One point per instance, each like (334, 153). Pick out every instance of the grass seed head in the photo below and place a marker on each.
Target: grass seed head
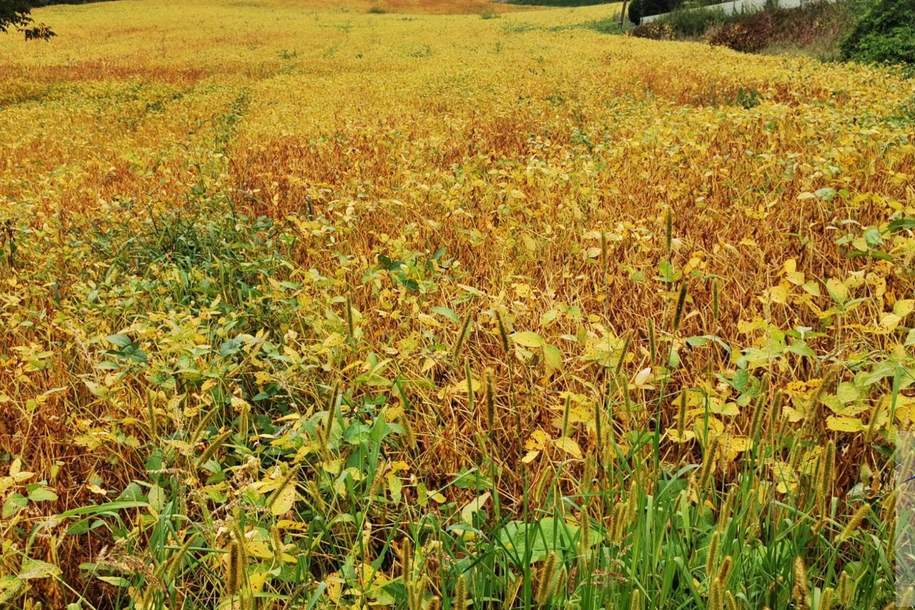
(854, 523)
(490, 402)
(461, 338)
(460, 593)
(545, 580)
(800, 591)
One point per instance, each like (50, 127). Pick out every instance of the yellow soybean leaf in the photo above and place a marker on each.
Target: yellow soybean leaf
(527, 339)
(811, 288)
(837, 290)
(333, 466)
(284, 500)
(904, 307)
(552, 358)
(548, 317)
(437, 497)
(847, 392)
(258, 578)
(889, 321)
(674, 435)
(395, 485)
(257, 547)
(33, 569)
(778, 294)
(642, 378)
(334, 587)
(530, 456)
(732, 446)
(568, 445)
(721, 407)
(844, 424)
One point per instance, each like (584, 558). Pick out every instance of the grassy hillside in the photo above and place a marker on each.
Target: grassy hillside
(309, 305)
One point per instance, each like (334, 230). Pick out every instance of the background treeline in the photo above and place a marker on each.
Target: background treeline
(40, 3)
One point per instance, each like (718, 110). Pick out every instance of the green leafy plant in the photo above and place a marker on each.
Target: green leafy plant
(885, 34)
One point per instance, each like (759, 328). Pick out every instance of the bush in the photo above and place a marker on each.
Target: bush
(886, 34)
(656, 30)
(747, 36)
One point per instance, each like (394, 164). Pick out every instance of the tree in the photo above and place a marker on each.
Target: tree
(18, 14)
(643, 8)
(886, 34)
(635, 11)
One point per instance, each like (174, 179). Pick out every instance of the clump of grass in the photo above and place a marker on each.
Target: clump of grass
(692, 23)
(610, 25)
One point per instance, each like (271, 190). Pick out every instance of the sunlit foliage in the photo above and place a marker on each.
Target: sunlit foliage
(318, 306)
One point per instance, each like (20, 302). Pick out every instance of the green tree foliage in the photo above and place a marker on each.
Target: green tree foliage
(642, 8)
(17, 14)
(886, 34)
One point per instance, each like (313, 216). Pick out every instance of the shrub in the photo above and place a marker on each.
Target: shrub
(747, 36)
(819, 26)
(886, 34)
(656, 30)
